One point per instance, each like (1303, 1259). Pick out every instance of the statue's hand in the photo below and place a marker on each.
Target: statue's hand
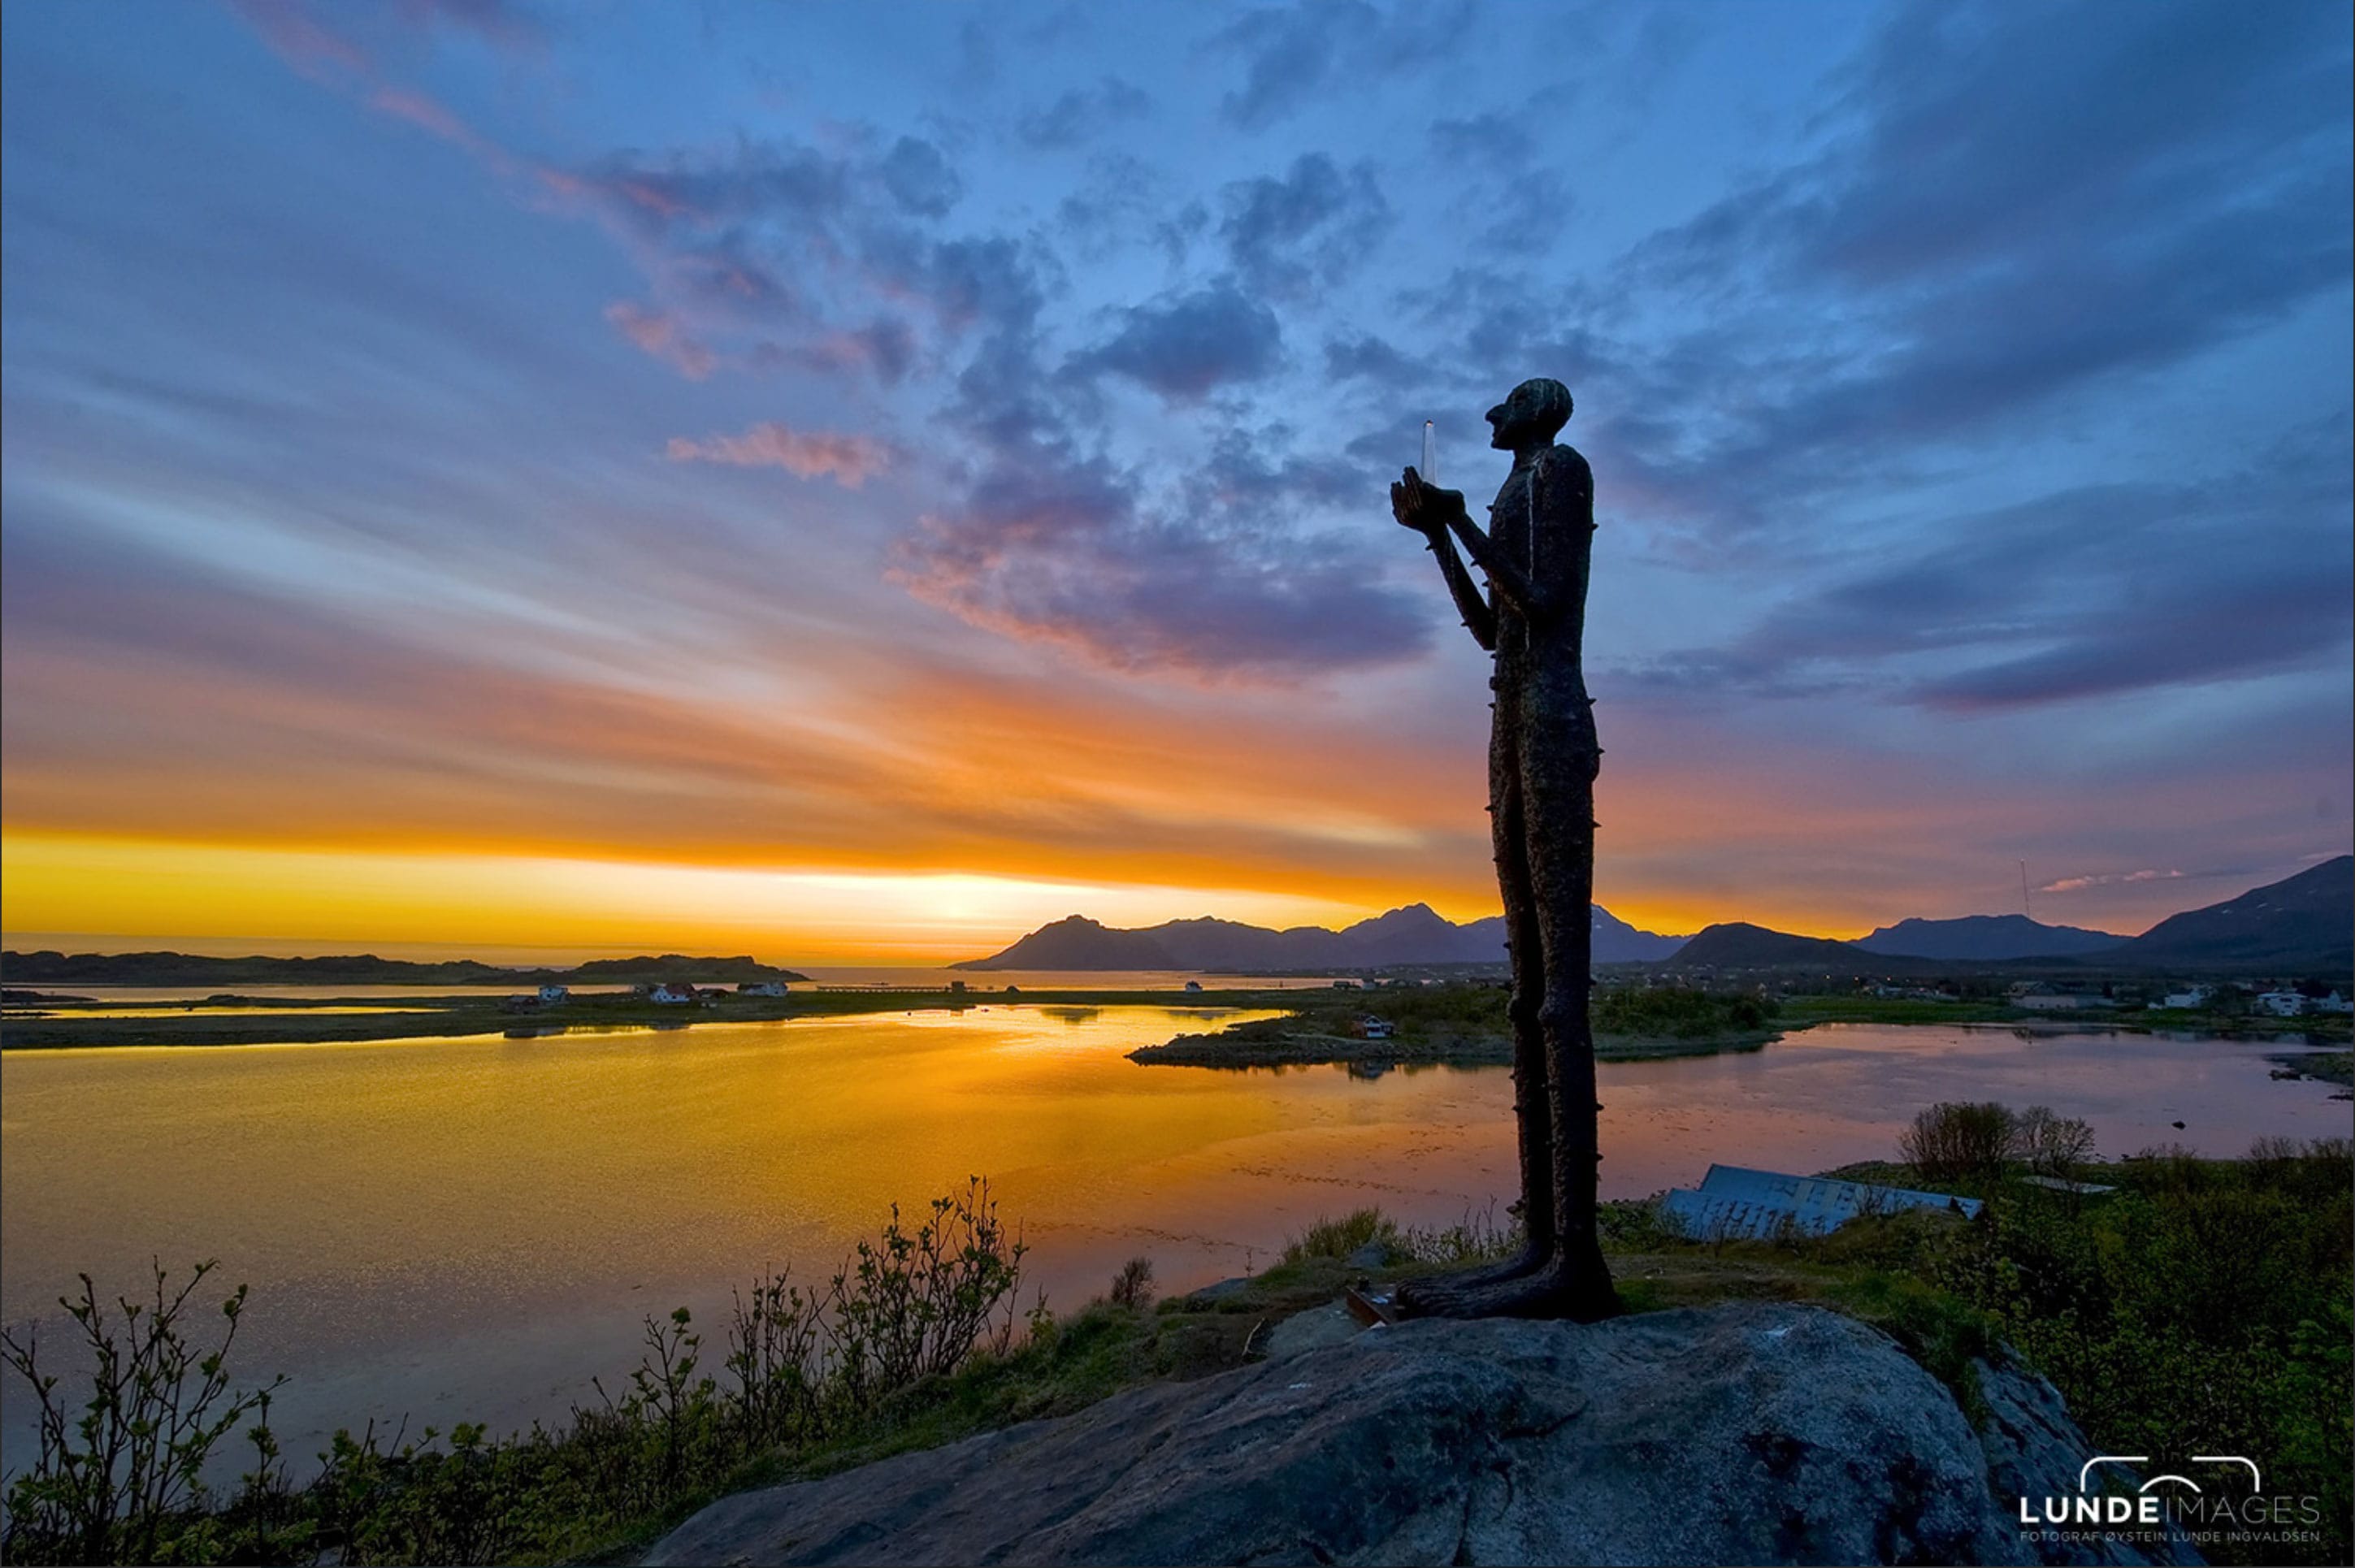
(1423, 507)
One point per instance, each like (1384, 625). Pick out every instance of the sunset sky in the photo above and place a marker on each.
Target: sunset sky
(850, 483)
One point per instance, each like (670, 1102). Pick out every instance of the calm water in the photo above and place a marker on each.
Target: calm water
(857, 976)
(470, 1228)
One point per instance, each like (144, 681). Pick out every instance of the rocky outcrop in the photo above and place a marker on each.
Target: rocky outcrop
(1745, 1433)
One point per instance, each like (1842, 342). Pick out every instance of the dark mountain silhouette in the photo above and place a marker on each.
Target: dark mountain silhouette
(1414, 935)
(1738, 944)
(1076, 942)
(1617, 942)
(51, 968)
(1984, 937)
(2302, 922)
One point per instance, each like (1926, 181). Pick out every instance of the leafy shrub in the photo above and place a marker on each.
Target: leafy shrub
(121, 1483)
(2051, 1145)
(108, 1485)
(1954, 1140)
(2203, 1308)
(1132, 1286)
(1677, 1013)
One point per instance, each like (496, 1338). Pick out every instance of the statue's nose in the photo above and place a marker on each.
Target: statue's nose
(1495, 415)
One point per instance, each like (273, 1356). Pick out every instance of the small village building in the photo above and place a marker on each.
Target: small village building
(550, 995)
(672, 994)
(763, 988)
(2334, 1002)
(2043, 998)
(2282, 1003)
(1193, 985)
(2196, 996)
(1368, 1027)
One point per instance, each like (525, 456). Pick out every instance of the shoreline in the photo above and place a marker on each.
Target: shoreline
(1295, 1039)
(172, 1025)
(1233, 1050)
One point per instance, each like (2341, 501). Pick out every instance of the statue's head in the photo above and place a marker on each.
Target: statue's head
(1538, 408)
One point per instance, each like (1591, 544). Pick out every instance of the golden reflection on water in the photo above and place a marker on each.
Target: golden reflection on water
(469, 1227)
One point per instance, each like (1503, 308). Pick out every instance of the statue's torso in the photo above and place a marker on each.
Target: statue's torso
(1542, 522)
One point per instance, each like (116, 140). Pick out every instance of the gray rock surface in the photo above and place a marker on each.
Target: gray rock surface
(1744, 1433)
(2034, 1450)
(1312, 1330)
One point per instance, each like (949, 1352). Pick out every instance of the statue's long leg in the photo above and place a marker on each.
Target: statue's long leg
(1532, 1093)
(1559, 763)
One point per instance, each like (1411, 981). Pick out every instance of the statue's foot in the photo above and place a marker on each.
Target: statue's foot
(1552, 1291)
(1433, 1295)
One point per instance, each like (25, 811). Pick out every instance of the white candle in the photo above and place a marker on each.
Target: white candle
(1430, 456)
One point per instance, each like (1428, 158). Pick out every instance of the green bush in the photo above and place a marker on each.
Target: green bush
(1338, 1238)
(2205, 1308)
(1952, 1142)
(1677, 1013)
(124, 1483)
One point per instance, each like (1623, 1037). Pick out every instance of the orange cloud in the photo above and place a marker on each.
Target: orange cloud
(849, 460)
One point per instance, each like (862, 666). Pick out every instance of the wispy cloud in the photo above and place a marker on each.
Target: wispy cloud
(2108, 879)
(665, 337)
(847, 459)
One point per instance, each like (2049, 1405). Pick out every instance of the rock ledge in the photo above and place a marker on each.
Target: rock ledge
(1744, 1432)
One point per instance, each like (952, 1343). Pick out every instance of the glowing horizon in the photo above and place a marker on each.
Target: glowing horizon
(66, 893)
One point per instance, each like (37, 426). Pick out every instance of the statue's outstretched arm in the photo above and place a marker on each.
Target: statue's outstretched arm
(1430, 511)
(1480, 619)
(1509, 580)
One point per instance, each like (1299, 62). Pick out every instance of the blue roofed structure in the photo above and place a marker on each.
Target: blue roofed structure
(1734, 1202)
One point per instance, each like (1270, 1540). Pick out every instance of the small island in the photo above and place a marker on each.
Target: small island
(1463, 1024)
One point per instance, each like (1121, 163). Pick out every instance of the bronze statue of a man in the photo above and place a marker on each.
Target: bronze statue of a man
(1543, 759)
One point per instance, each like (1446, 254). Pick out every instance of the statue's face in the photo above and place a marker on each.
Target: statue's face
(1531, 416)
(1511, 419)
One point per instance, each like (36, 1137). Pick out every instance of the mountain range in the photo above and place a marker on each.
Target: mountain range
(2301, 923)
(1986, 937)
(1414, 935)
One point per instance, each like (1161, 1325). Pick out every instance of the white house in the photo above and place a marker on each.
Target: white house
(551, 994)
(2282, 1003)
(672, 992)
(2058, 1001)
(762, 988)
(2334, 1002)
(1372, 1028)
(2197, 995)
